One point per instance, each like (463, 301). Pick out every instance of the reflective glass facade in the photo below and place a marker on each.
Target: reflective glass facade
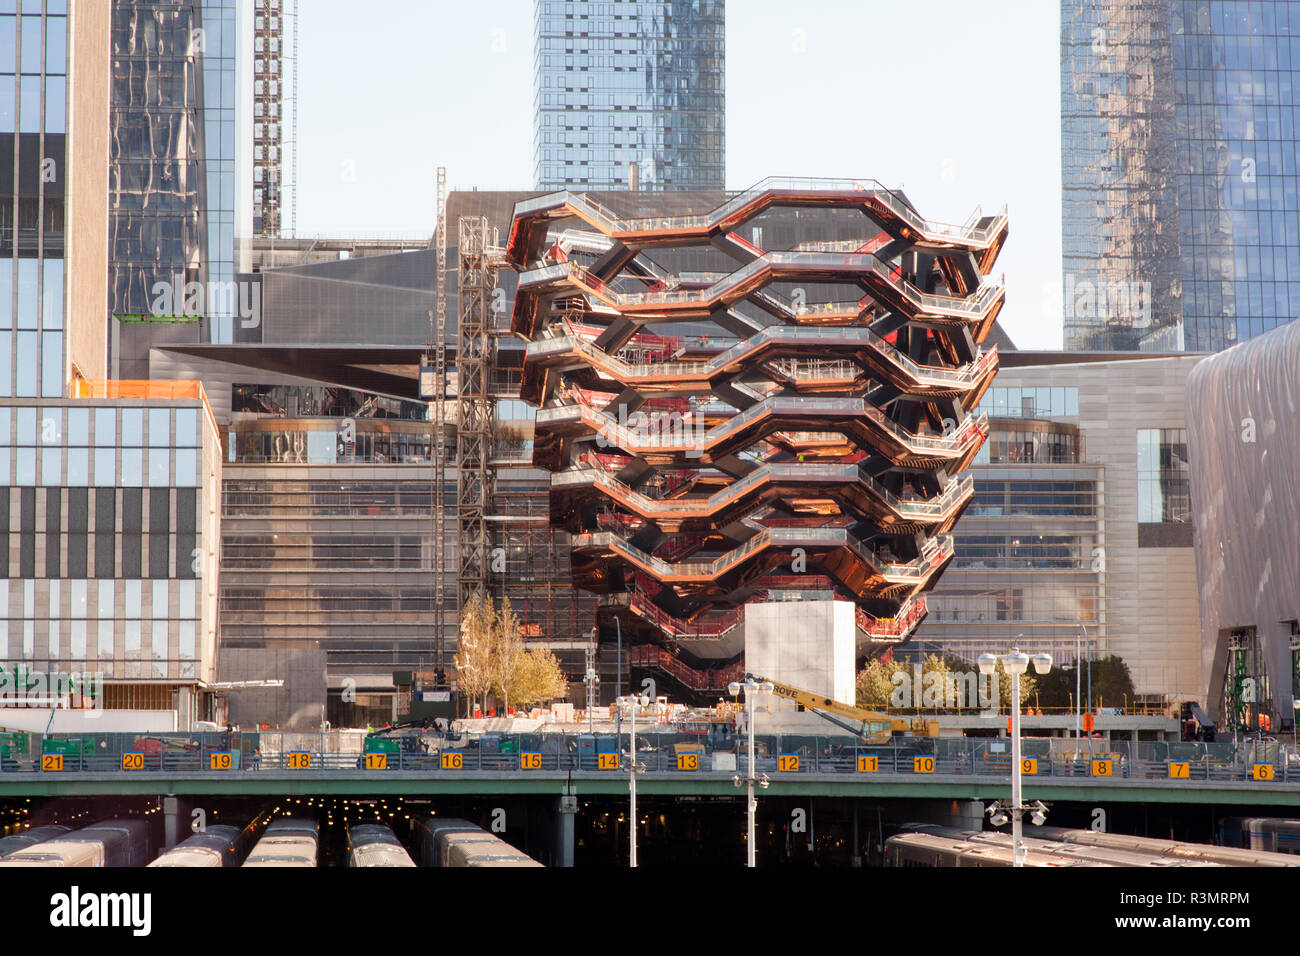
(1181, 221)
(33, 128)
(1163, 475)
(630, 81)
(173, 183)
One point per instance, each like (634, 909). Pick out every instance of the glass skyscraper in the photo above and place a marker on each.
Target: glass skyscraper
(33, 143)
(630, 81)
(178, 205)
(1181, 223)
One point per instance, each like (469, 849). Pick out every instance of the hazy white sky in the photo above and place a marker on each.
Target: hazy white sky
(953, 100)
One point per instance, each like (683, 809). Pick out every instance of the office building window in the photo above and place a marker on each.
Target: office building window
(1163, 490)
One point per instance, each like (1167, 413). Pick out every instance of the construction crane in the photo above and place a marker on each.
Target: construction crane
(872, 727)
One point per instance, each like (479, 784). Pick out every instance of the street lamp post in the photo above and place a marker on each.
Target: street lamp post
(632, 703)
(591, 679)
(751, 688)
(1078, 691)
(618, 680)
(1015, 664)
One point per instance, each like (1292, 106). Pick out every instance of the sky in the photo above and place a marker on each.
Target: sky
(956, 102)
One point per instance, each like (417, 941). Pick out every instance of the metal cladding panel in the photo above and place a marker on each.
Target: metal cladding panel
(1242, 410)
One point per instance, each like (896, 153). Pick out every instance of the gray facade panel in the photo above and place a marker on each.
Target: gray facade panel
(1242, 408)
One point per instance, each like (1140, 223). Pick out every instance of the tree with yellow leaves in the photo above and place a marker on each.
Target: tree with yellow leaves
(474, 656)
(539, 678)
(507, 654)
(494, 661)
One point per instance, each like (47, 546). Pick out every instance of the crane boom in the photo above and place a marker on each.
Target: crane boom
(867, 724)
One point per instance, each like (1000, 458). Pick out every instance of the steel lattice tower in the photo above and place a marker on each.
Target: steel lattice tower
(479, 262)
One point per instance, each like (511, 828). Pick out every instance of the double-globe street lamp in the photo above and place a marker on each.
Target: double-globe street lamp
(751, 688)
(1015, 664)
(632, 704)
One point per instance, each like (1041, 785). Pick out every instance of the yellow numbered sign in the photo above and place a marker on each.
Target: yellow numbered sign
(1180, 770)
(453, 761)
(607, 761)
(688, 761)
(868, 764)
(787, 763)
(1261, 771)
(221, 761)
(133, 761)
(376, 761)
(1103, 768)
(1029, 766)
(530, 761)
(299, 760)
(51, 761)
(922, 765)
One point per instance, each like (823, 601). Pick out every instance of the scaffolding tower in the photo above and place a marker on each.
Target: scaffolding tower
(439, 431)
(275, 117)
(480, 261)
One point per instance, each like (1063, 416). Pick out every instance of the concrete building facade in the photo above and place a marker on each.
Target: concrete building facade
(1080, 531)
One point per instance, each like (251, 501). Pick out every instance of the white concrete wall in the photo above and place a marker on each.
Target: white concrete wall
(807, 644)
(33, 720)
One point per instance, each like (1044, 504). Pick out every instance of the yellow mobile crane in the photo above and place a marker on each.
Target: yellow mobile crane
(872, 727)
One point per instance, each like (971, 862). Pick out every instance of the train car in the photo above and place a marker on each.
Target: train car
(479, 855)
(286, 842)
(1108, 856)
(373, 844)
(111, 843)
(431, 834)
(459, 843)
(933, 850)
(216, 846)
(21, 841)
(1267, 834)
(1168, 849)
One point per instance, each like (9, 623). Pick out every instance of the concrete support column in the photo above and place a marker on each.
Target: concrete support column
(171, 822)
(856, 859)
(567, 807)
(185, 708)
(968, 814)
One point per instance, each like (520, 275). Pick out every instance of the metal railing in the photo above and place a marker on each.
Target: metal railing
(913, 572)
(694, 437)
(820, 475)
(972, 307)
(1264, 763)
(863, 189)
